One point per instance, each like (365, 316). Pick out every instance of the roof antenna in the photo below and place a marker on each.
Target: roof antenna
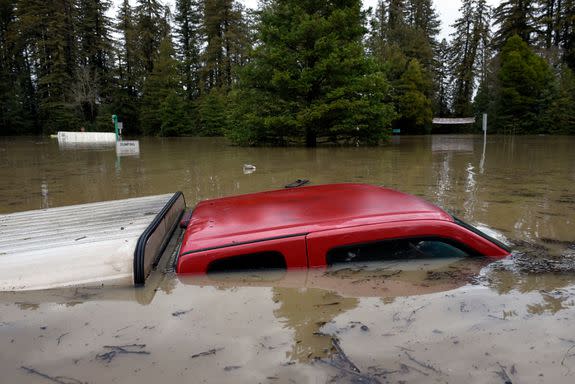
(297, 183)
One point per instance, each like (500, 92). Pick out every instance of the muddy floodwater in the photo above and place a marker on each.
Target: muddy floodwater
(427, 321)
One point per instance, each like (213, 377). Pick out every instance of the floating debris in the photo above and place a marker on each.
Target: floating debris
(54, 379)
(212, 351)
(180, 313)
(136, 349)
(249, 169)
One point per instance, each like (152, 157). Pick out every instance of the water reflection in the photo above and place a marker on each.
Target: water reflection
(452, 144)
(73, 146)
(31, 300)
(44, 193)
(375, 279)
(552, 303)
(306, 311)
(505, 281)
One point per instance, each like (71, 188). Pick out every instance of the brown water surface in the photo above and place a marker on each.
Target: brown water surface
(419, 321)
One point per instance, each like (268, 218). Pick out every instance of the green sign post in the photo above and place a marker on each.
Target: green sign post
(115, 120)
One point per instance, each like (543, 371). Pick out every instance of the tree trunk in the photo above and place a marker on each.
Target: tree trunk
(310, 137)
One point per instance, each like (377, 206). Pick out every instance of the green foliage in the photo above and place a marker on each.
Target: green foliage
(227, 42)
(467, 53)
(151, 27)
(566, 25)
(17, 105)
(514, 17)
(189, 40)
(174, 116)
(561, 116)
(524, 89)
(212, 113)
(309, 80)
(403, 42)
(124, 97)
(413, 106)
(163, 82)
(442, 105)
(482, 104)
(408, 26)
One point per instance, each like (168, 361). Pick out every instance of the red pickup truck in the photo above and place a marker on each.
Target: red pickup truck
(317, 226)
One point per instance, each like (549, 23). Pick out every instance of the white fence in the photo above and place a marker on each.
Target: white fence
(453, 121)
(86, 137)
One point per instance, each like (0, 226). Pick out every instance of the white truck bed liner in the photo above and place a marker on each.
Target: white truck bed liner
(115, 242)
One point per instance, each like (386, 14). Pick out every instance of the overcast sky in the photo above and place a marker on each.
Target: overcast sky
(447, 9)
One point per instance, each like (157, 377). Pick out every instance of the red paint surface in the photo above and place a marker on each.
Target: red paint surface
(327, 216)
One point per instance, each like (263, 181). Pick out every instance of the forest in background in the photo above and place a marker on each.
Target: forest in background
(290, 72)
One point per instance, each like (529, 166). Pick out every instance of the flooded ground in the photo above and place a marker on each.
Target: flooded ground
(449, 320)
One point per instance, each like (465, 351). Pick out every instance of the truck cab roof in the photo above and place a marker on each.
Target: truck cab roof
(303, 223)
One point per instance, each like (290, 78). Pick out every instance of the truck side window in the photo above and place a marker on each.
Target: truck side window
(415, 248)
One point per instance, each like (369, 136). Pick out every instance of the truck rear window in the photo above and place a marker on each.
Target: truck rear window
(249, 262)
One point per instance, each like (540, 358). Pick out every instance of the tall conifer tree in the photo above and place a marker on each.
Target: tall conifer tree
(524, 92)
(47, 33)
(309, 80)
(470, 39)
(514, 17)
(94, 73)
(225, 34)
(162, 94)
(189, 39)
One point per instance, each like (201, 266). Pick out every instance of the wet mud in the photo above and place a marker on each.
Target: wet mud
(530, 258)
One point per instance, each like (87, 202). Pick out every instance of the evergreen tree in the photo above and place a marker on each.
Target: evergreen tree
(567, 31)
(17, 95)
(162, 94)
(413, 106)
(404, 30)
(212, 116)
(561, 116)
(471, 36)
(524, 89)
(423, 17)
(225, 34)
(412, 28)
(150, 29)
(309, 80)
(514, 17)
(47, 34)
(482, 104)
(377, 37)
(548, 18)
(94, 74)
(443, 80)
(174, 115)
(125, 98)
(189, 42)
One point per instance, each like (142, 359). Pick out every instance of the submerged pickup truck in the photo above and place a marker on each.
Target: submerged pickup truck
(318, 226)
(120, 242)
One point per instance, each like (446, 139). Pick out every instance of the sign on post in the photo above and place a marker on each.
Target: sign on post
(128, 148)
